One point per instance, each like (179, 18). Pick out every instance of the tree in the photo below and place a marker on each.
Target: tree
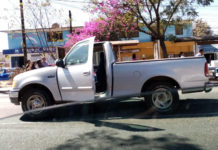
(153, 17)
(202, 28)
(39, 15)
(102, 29)
(93, 28)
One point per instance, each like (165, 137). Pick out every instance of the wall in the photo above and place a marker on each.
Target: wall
(147, 49)
(187, 32)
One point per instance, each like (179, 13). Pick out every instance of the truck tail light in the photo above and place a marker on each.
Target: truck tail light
(206, 70)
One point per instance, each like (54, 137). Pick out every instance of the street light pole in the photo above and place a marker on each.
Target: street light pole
(23, 33)
(70, 19)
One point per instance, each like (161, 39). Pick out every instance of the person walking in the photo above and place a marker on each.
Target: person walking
(38, 64)
(134, 57)
(44, 63)
(181, 55)
(200, 54)
(28, 64)
(31, 66)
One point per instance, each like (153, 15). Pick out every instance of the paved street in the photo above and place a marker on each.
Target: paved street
(6, 107)
(196, 133)
(117, 125)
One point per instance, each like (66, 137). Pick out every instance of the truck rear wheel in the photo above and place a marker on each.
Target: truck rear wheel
(35, 99)
(162, 97)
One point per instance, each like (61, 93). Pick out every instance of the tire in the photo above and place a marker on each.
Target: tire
(162, 98)
(35, 99)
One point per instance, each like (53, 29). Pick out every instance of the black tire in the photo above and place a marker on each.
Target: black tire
(152, 99)
(42, 96)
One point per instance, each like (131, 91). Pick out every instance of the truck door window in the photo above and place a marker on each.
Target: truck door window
(78, 55)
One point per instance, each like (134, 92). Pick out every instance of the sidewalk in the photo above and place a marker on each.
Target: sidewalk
(5, 86)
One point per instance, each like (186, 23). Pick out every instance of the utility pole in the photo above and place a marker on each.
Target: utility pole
(70, 19)
(23, 33)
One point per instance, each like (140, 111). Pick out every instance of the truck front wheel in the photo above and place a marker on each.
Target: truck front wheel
(35, 99)
(162, 97)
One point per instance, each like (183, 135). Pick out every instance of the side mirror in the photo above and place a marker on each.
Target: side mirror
(60, 63)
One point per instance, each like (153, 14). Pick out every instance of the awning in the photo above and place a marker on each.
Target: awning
(126, 42)
(205, 40)
(209, 48)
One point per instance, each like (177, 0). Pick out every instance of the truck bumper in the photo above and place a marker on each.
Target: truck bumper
(14, 97)
(207, 88)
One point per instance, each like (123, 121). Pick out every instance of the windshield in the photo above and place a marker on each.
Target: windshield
(108, 74)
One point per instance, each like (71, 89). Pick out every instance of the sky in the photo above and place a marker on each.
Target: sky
(210, 15)
(80, 15)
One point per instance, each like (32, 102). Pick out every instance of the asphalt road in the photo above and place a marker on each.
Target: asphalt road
(118, 125)
(6, 107)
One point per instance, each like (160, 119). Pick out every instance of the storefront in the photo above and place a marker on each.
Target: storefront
(15, 57)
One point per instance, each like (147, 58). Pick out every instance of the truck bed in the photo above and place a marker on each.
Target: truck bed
(130, 76)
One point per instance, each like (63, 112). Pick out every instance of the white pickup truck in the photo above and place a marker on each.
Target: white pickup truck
(90, 71)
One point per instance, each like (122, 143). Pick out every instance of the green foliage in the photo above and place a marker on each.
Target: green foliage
(171, 38)
(155, 15)
(202, 28)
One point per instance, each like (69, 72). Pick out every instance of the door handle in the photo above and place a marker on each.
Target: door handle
(86, 73)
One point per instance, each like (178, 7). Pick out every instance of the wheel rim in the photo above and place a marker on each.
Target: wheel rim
(162, 98)
(35, 102)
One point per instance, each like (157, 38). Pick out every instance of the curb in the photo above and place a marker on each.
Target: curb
(4, 90)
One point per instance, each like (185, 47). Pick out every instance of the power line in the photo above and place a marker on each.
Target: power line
(73, 6)
(73, 1)
(86, 2)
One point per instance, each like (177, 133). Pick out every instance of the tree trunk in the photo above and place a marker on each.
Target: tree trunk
(163, 47)
(52, 55)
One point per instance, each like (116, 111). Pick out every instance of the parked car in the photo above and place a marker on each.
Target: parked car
(5, 74)
(73, 79)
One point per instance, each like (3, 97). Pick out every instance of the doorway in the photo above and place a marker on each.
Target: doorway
(17, 61)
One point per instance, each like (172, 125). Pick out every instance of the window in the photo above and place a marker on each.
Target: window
(179, 29)
(78, 55)
(54, 36)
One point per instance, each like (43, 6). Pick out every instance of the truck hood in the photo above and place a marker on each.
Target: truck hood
(46, 71)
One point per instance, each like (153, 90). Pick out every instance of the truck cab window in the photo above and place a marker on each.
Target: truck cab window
(78, 55)
(101, 84)
(99, 64)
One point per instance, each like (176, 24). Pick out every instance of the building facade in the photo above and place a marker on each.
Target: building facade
(39, 43)
(145, 48)
(43, 42)
(178, 31)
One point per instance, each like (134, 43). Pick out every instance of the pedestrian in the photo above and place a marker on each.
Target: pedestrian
(134, 57)
(200, 54)
(28, 64)
(44, 63)
(181, 55)
(143, 56)
(31, 66)
(38, 64)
